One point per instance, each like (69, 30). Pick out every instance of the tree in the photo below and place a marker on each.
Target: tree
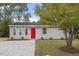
(6, 19)
(64, 16)
(6, 16)
(19, 10)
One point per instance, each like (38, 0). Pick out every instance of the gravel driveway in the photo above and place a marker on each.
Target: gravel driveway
(17, 48)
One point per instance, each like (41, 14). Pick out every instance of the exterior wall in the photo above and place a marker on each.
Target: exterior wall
(17, 36)
(54, 33)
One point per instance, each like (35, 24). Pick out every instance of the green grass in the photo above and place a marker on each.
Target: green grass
(51, 47)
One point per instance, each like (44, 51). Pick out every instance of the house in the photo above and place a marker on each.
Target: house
(32, 30)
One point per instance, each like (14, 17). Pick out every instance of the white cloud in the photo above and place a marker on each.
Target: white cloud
(34, 19)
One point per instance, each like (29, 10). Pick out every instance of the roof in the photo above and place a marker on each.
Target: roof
(28, 23)
(25, 23)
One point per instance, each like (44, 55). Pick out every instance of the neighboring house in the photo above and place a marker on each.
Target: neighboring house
(32, 30)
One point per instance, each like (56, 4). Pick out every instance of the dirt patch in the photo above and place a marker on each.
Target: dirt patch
(3, 39)
(69, 50)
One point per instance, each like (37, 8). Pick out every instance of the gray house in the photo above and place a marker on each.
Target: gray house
(32, 30)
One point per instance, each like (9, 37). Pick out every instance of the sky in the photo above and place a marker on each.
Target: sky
(31, 7)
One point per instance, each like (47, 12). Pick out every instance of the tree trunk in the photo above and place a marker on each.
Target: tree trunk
(66, 37)
(69, 39)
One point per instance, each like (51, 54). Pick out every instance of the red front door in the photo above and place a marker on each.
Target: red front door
(33, 33)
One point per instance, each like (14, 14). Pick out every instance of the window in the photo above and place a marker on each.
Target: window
(20, 32)
(26, 31)
(44, 31)
(14, 31)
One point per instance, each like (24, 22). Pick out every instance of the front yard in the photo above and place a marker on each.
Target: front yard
(3, 38)
(51, 47)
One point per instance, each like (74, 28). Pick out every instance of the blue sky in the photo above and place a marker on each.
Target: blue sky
(31, 7)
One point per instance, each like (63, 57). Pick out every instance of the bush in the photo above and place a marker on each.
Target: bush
(76, 36)
(51, 38)
(11, 37)
(62, 38)
(42, 38)
(22, 37)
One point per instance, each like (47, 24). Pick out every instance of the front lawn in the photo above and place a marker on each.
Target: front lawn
(51, 47)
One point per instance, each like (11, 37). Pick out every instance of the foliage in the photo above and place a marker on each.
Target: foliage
(6, 16)
(64, 16)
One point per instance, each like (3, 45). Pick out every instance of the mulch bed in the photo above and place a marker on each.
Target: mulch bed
(69, 50)
(16, 39)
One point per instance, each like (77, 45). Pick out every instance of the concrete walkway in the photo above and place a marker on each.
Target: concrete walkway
(17, 48)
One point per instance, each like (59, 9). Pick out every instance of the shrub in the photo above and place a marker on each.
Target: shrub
(42, 38)
(62, 38)
(11, 37)
(51, 38)
(22, 37)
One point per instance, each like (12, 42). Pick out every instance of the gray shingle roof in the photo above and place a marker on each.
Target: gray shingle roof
(25, 23)
(29, 23)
